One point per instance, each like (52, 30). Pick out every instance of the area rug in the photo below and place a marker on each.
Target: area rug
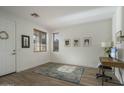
(61, 71)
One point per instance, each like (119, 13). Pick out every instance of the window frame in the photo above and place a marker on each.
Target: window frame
(53, 36)
(40, 40)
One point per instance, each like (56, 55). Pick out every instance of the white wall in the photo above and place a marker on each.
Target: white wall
(26, 58)
(86, 56)
(117, 25)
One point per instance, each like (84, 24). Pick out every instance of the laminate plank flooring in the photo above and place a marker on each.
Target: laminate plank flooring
(30, 78)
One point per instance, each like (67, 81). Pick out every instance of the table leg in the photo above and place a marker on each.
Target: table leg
(102, 76)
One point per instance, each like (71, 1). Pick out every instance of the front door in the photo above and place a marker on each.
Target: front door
(7, 46)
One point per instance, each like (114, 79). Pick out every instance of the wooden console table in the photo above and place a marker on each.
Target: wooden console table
(106, 61)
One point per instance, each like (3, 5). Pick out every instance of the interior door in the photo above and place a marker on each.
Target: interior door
(7, 46)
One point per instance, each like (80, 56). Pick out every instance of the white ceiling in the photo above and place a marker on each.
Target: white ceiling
(55, 17)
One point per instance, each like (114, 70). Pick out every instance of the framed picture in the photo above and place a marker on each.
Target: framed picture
(25, 41)
(67, 42)
(76, 42)
(87, 41)
(118, 37)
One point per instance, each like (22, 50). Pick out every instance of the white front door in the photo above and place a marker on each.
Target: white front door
(7, 47)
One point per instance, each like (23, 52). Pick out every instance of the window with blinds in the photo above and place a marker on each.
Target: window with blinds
(40, 41)
(55, 42)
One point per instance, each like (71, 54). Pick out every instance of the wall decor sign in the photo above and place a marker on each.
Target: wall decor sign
(76, 42)
(87, 41)
(25, 41)
(4, 35)
(67, 42)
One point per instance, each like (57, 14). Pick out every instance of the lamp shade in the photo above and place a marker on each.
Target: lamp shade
(106, 44)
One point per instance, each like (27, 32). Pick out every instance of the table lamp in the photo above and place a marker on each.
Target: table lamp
(107, 48)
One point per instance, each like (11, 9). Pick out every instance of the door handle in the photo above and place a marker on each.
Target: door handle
(14, 52)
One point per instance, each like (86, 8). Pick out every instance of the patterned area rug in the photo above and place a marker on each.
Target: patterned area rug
(60, 71)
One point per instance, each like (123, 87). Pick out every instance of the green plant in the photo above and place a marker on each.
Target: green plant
(107, 51)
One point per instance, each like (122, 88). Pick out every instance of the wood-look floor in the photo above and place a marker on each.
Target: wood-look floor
(30, 78)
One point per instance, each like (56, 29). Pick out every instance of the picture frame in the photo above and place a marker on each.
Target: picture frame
(76, 42)
(87, 41)
(25, 41)
(67, 42)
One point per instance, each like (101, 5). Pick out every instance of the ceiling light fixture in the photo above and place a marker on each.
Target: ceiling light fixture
(34, 15)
